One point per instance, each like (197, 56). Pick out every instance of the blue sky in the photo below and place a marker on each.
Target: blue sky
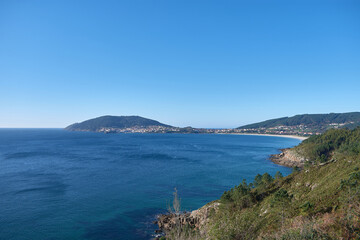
(199, 63)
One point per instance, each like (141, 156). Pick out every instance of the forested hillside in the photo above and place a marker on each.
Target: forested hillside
(116, 122)
(305, 124)
(320, 201)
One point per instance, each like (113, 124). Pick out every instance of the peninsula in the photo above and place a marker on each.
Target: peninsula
(118, 124)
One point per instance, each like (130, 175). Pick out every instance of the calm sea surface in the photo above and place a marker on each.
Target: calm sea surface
(56, 184)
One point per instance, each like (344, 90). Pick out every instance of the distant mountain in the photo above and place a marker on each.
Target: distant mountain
(303, 125)
(351, 120)
(115, 122)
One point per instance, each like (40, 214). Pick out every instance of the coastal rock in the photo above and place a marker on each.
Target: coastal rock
(289, 158)
(196, 219)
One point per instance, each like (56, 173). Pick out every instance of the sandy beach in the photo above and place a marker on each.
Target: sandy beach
(273, 135)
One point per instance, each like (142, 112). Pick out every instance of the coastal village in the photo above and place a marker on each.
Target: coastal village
(301, 130)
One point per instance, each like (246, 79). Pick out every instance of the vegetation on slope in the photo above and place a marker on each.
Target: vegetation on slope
(96, 124)
(317, 120)
(333, 144)
(321, 201)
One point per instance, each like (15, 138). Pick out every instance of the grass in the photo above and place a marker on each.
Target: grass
(314, 193)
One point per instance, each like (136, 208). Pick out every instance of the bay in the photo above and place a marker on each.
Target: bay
(56, 184)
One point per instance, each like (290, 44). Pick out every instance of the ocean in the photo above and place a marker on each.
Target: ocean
(56, 184)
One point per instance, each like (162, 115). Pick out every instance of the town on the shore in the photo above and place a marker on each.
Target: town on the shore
(300, 130)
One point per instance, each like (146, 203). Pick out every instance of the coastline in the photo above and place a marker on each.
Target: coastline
(271, 135)
(287, 157)
(198, 218)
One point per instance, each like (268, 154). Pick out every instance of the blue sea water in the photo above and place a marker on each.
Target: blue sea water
(56, 184)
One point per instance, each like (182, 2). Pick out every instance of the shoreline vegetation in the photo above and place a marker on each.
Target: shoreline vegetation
(319, 200)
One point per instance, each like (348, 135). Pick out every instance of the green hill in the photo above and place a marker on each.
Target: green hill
(118, 122)
(321, 201)
(315, 120)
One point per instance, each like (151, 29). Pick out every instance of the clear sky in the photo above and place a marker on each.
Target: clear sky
(182, 62)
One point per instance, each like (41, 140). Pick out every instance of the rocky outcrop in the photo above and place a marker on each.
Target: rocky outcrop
(289, 158)
(196, 219)
(167, 222)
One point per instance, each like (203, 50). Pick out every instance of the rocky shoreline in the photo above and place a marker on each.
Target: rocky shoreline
(196, 220)
(288, 158)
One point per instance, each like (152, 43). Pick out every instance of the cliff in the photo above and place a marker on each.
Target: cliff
(173, 224)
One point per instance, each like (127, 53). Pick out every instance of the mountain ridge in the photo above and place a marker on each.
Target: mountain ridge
(307, 119)
(301, 124)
